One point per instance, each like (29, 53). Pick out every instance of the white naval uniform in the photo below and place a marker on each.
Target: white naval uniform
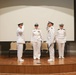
(51, 41)
(36, 41)
(20, 42)
(61, 39)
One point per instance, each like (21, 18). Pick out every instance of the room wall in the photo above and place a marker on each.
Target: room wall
(30, 12)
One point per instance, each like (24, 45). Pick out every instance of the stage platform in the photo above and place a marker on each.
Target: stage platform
(69, 73)
(42, 66)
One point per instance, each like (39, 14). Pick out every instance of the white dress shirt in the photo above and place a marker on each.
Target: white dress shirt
(20, 37)
(61, 36)
(51, 35)
(36, 35)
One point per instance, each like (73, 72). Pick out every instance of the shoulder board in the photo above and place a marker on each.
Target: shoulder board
(58, 29)
(63, 29)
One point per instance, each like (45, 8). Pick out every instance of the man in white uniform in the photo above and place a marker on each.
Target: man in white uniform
(36, 41)
(20, 41)
(61, 39)
(51, 40)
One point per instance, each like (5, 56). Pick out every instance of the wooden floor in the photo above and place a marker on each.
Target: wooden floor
(4, 60)
(42, 66)
(69, 73)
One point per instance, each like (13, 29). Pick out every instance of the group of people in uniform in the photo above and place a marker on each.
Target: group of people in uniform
(59, 37)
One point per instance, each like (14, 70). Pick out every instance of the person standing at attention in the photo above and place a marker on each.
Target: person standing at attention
(36, 41)
(61, 39)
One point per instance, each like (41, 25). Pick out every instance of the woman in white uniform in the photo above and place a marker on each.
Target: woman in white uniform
(61, 39)
(51, 40)
(20, 41)
(36, 41)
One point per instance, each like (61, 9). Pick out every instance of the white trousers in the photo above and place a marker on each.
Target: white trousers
(36, 49)
(19, 51)
(51, 51)
(61, 49)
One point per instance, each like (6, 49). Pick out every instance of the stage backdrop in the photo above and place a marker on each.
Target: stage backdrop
(30, 12)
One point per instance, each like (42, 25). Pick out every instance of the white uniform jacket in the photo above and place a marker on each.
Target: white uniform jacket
(61, 36)
(36, 35)
(51, 36)
(20, 37)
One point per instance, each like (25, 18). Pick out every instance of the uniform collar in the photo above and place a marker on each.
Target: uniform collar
(61, 29)
(37, 29)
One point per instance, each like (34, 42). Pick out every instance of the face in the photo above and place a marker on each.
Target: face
(49, 25)
(61, 27)
(36, 27)
(20, 26)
